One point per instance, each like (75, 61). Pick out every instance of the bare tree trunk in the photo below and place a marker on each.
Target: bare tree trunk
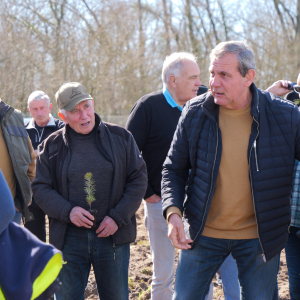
(167, 27)
(223, 20)
(212, 22)
(276, 4)
(298, 21)
(141, 49)
(190, 26)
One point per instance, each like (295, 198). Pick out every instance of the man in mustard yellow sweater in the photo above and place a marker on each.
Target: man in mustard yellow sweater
(233, 156)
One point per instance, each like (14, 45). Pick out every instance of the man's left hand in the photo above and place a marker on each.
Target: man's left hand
(107, 227)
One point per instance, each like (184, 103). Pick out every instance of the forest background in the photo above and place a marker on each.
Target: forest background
(116, 47)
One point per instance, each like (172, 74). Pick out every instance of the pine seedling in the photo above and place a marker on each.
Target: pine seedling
(89, 188)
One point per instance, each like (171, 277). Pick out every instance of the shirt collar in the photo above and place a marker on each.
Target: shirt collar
(170, 99)
(31, 124)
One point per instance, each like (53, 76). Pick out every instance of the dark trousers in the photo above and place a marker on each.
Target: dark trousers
(83, 249)
(38, 225)
(292, 252)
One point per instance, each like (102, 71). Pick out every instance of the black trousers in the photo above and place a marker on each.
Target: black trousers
(38, 225)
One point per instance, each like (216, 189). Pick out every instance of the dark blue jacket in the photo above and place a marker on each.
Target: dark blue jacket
(197, 147)
(28, 267)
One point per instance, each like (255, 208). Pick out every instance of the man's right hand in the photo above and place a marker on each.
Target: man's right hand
(81, 217)
(176, 233)
(279, 88)
(153, 199)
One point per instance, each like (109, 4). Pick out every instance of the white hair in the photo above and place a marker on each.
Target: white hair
(38, 95)
(173, 64)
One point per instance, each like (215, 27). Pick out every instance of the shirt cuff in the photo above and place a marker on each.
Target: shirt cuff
(173, 210)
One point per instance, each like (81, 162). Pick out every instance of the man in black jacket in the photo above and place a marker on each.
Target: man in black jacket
(92, 215)
(232, 155)
(39, 128)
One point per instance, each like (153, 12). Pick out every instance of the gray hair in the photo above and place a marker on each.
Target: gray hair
(38, 95)
(173, 64)
(242, 51)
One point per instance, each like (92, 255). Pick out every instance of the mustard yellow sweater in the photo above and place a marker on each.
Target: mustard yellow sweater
(231, 214)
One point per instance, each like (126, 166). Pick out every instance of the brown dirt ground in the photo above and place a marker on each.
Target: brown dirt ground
(140, 270)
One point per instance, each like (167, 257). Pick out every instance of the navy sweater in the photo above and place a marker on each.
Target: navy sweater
(152, 122)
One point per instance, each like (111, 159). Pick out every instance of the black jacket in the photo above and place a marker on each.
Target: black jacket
(36, 138)
(50, 187)
(273, 146)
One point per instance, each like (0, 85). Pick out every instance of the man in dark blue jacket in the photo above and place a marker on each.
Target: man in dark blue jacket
(233, 156)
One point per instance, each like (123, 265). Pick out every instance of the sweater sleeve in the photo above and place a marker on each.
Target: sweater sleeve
(138, 125)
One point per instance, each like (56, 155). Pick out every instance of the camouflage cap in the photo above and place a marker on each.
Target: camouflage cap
(70, 94)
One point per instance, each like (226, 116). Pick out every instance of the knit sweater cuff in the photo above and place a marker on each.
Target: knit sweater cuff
(173, 210)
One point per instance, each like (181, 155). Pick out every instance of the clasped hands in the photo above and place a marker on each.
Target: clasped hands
(82, 218)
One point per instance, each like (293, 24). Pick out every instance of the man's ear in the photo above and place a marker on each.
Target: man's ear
(28, 109)
(50, 106)
(62, 117)
(172, 81)
(249, 77)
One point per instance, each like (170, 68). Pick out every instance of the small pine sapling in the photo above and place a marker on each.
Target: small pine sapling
(89, 188)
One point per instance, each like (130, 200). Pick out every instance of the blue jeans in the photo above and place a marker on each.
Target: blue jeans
(230, 281)
(82, 248)
(197, 267)
(292, 252)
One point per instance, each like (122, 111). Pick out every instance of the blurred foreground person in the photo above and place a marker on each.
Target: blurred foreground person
(28, 267)
(227, 179)
(292, 248)
(39, 128)
(90, 181)
(17, 161)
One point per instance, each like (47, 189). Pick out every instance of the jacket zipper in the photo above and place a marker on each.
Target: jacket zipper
(211, 186)
(254, 146)
(38, 137)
